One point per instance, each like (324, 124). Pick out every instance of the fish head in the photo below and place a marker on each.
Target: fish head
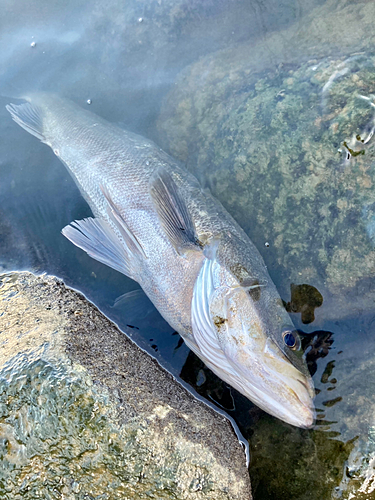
(248, 339)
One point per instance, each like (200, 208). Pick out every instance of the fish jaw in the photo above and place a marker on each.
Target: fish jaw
(274, 384)
(232, 340)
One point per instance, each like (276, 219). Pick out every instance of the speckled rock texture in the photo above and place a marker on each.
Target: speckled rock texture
(268, 127)
(86, 414)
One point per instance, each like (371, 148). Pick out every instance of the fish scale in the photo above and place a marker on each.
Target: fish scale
(154, 223)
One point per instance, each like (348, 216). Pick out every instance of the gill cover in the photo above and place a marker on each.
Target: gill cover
(217, 323)
(204, 332)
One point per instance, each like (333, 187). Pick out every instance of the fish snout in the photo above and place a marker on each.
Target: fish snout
(293, 390)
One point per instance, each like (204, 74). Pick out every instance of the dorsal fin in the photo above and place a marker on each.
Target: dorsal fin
(173, 212)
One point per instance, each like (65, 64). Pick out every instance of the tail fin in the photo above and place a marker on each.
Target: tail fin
(29, 117)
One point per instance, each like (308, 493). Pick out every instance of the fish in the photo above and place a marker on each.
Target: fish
(153, 222)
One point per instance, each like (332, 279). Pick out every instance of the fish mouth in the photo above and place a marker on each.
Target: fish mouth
(278, 388)
(287, 392)
(291, 399)
(303, 414)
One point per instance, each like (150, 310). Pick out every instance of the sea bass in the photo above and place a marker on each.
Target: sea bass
(154, 223)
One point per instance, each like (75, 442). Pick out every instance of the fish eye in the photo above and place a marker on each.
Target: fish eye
(290, 339)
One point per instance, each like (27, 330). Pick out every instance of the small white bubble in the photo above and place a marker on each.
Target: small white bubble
(266, 244)
(33, 44)
(140, 19)
(89, 101)
(147, 163)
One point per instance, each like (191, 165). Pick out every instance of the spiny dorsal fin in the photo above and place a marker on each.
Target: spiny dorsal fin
(173, 212)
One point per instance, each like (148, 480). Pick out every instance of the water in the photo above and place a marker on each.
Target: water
(271, 95)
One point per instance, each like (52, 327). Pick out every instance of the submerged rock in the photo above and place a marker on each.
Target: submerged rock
(86, 414)
(288, 149)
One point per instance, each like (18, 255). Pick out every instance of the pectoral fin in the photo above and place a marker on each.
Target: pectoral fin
(204, 331)
(99, 241)
(173, 212)
(135, 308)
(134, 304)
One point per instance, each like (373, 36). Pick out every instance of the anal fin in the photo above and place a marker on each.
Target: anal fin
(99, 241)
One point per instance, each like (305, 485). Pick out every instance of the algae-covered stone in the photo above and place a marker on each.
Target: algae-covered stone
(288, 150)
(85, 414)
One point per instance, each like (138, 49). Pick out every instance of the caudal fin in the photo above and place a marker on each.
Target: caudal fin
(28, 117)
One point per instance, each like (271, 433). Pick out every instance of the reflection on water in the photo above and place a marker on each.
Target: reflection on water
(275, 114)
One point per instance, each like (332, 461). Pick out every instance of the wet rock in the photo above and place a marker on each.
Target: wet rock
(358, 480)
(288, 149)
(86, 414)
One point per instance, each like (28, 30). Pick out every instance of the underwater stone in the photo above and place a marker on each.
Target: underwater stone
(85, 413)
(260, 125)
(264, 138)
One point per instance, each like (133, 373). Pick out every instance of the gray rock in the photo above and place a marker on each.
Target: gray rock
(86, 414)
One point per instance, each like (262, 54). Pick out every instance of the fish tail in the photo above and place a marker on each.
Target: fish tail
(29, 117)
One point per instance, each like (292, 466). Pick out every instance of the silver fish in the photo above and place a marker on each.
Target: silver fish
(154, 223)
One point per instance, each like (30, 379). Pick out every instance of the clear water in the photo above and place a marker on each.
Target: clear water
(126, 58)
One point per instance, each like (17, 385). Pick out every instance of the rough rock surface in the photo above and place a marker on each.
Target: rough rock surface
(263, 126)
(86, 414)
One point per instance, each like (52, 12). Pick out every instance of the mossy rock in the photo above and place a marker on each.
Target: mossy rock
(273, 147)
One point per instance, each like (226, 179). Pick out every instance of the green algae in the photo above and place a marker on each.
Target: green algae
(272, 148)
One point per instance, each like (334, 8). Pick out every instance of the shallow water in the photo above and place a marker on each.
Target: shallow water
(125, 58)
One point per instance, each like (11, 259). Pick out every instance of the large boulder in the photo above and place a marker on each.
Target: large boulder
(86, 414)
(272, 142)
